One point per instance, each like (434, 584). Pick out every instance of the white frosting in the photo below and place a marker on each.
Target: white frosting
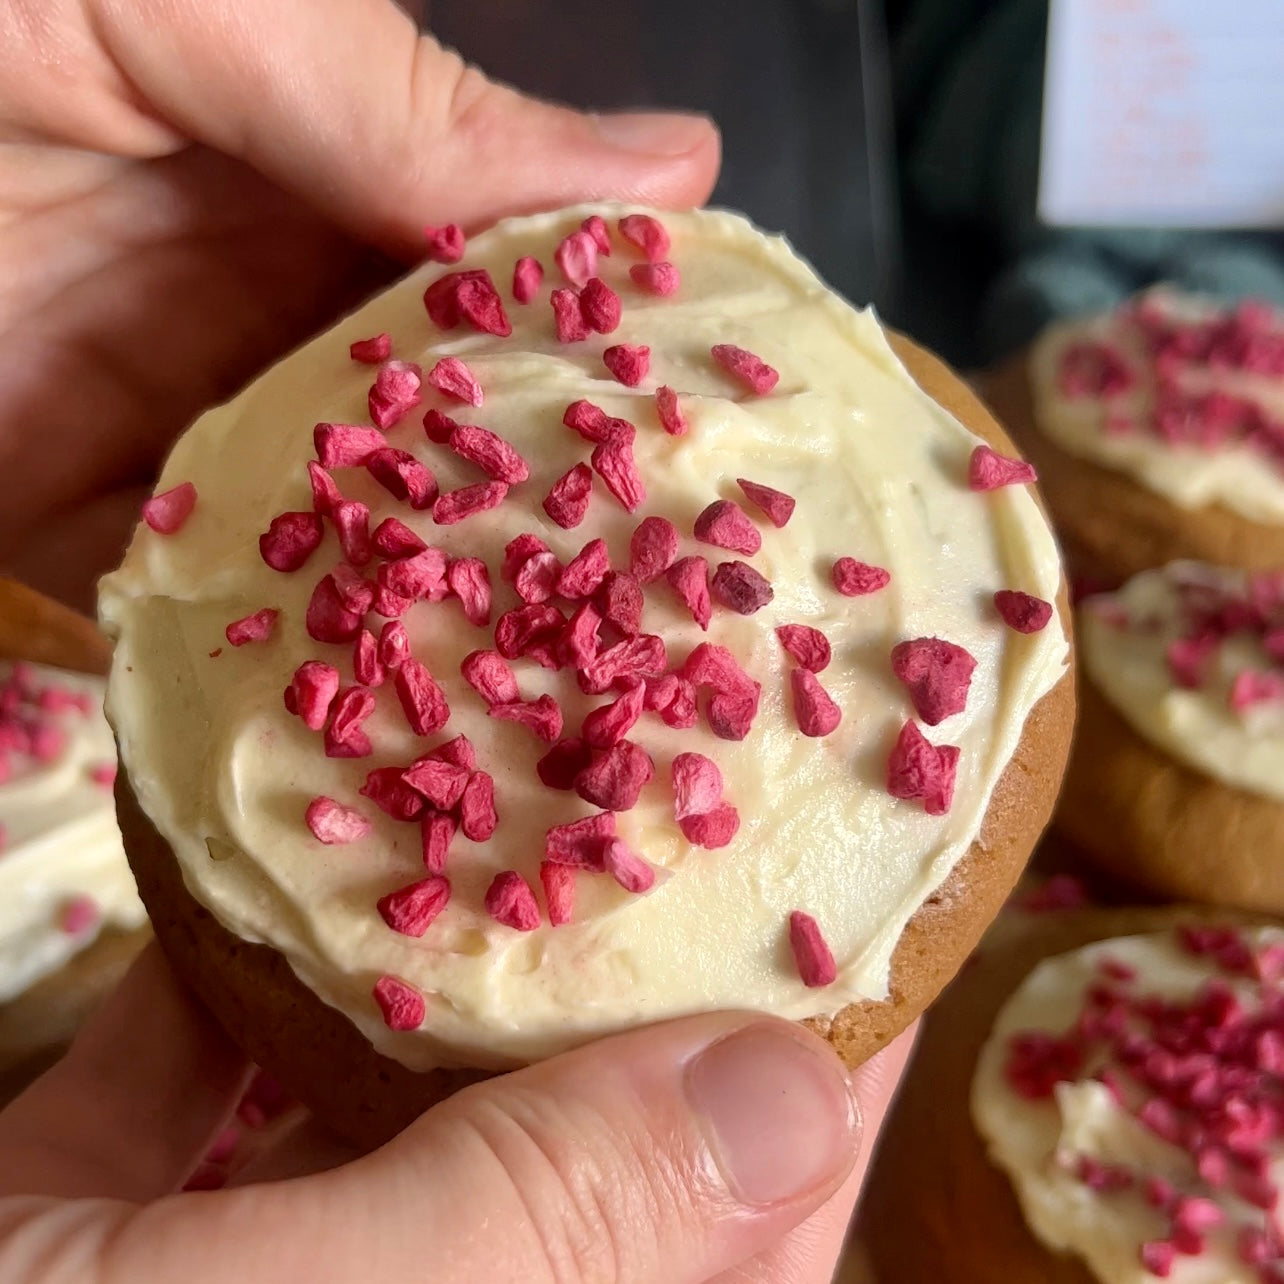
(61, 843)
(1037, 1143)
(1236, 476)
(878, 471)
(1199, 728)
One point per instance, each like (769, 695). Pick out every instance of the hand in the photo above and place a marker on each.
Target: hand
(724, 1148)
(186, 188)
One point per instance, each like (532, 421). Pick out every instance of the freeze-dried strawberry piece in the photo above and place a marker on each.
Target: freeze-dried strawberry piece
(436, 832)
(627, 867)
(517, 552)
(614, 781)
(1255, 686)
(439, 426)
(452, 377)
(620, 602)
(477, 815)
(567, 502)
(325, 491)
(441, 300)
(576, 258)
(327, 618)
(356, 593)
(394, 539)
(392, 606)
(595, 425)
(613, 461)
(469, 580)
(674, 699)
(536, 579)
(367, 668)
(640, 657)
(311, 691)
(752, 371)
(810, 647)
(813, 957)
(601, 308)
(371, 352)
(394, 645)
(252, 628)
(344, 737)
(386, 789)
(492, 679)
(401, 1006)
(918, 769)
(580, 843)
(775, 504)
(579, 644)
(403, 477)
(459, 752)
(689, 577)
(856, 579)
(352, 521)
(581, 576)
(525, 627)
(542, 716)
(510, 901)
(167, 512)
(731, 717)
(669, 408)
(738, 586)
(445, 244)
(1189, 659)
(456, 505)
(528, 273)
(646, 233)
(697, 785)
(628, 362)
(490, 452)
(346, 445)
(478, 303)
(410, 910)
(609, 725)
(1021, 611)
(814, 707)
(559, 891)
(938, 675)
(332, 823)
(419, 576)
(988, 470)
(653, 548)
(595, 226)
(560, 766)
(726, 525)
(395, 393)
(568, 316)
(712, 829)
(421, 698)
(442, 783)
(656, 278)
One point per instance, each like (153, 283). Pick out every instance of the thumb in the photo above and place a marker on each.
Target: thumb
(664, 1155)
(345, 103)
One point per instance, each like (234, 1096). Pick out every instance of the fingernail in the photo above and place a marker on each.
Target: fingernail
(778, 1113)
(656, 133)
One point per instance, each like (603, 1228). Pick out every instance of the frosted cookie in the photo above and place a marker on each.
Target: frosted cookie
(70, 918)
(1158, 433)
(1094, 1113)
(1177, 777)
(651, 642)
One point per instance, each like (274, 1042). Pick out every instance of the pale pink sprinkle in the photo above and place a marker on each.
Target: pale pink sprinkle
(371, 352)
(627, 867)
(595, 226)
(647, 234)
(672, 420)
(252, 628)
(79, 915)
(576, 258)
(662, 279)
(752, 371)
(401, 1005)
(445, 244)
(527, 275)
(332, 823)
(165, 513)
(452, 377)
(815, 961)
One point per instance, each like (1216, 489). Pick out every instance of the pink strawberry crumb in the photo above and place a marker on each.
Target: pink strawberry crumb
(857, 579)
(814, 707)
(411, 910)
(510, 901)
(661, 279)
(559, 891)
(528, 274)
(576, 258)
(371, 352)
(601, 307)
(938, 675)
(167, 512)
(445, 244)
(808, 646)
(988, 470)
(401, 1006)
(628, 362)
(647, 234)
(812, 955)
(568, 500)
(332, 823)
(453, 378)
(725, 525)
(252, 628)
(1022, 612)
(669, 408)
(79, 915)
(774, 504)
(752, 371)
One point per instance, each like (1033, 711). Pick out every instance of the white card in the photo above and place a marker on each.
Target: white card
(1164, 113)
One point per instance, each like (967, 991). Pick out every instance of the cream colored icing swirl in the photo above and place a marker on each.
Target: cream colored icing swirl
(878, 471)
(1125, 641)
(1235, 475)
(1040, 1143)
(61, 840)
